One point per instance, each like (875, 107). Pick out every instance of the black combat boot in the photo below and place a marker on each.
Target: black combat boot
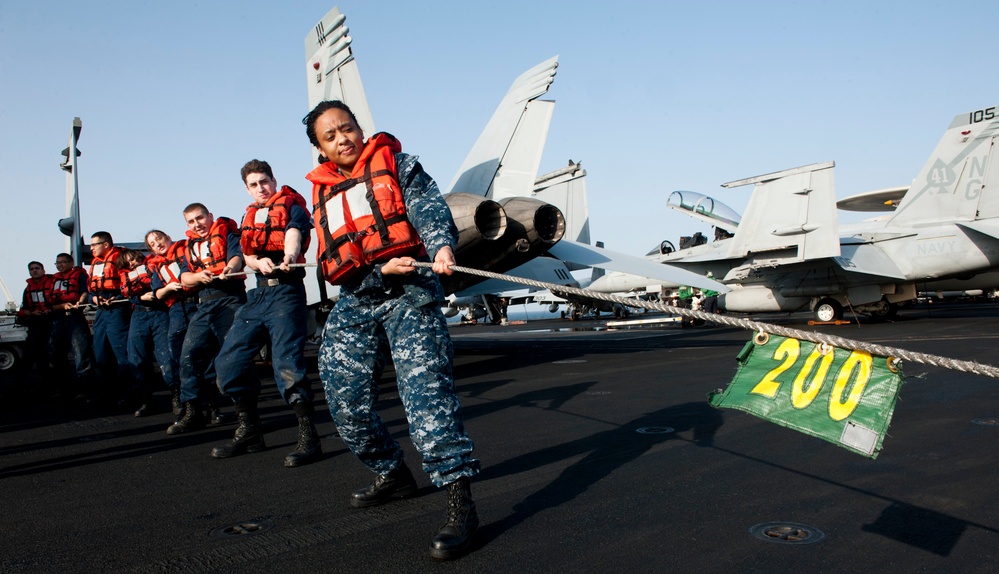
(191, 421)
(462, 520)
(178, 406)
(309, 446)
(249, 436)
(213, 410)
(397, 484)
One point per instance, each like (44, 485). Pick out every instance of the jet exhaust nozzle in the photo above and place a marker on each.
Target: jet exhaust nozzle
(500, 236)
(542, 222)
(478, 219)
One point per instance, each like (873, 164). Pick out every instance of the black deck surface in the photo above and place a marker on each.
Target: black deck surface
(568, 482)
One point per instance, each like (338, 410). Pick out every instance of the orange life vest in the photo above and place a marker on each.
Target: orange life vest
(210, 252)
(68, 286)
(104, 276)
(362, 219)
(264, 224)
(168, 269)
(38, 294)
(135, 282)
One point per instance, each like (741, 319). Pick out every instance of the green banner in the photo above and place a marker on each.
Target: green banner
(844, 397)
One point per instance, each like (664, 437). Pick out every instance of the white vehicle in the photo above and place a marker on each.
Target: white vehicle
(12, 338)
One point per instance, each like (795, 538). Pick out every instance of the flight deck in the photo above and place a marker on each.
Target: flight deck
(599, 454)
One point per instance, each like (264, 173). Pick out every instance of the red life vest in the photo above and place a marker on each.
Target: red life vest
(104, 276)
(67, 287)
(168, 267)
(37, 295)
(362, 219)
(135, 282)
(210, 252)
(264, 224)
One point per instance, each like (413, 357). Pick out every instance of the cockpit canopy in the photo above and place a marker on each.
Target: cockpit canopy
(704, 208)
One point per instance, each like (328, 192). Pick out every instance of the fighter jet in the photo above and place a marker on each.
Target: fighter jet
(788, 252)
(505, 226)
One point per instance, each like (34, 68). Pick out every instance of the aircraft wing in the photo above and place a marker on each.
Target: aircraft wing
(878, 200)
(332, 71)
(596, 257)
(495, 167)
(547, 269)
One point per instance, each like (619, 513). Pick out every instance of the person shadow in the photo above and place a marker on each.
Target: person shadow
(604, 452)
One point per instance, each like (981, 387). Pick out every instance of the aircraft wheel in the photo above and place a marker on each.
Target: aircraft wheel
(884, 310)
(9, 358)
(828, 310)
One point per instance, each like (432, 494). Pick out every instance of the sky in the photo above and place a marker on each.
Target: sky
(651, 97)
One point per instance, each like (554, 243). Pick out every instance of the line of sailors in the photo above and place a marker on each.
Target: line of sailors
(376, 213)
(176, 306)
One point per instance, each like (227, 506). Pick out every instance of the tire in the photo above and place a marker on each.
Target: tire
(828, 310)
(884, 312)
(10, 359)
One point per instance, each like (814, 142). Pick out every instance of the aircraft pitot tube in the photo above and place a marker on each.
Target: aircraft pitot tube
(500, 236)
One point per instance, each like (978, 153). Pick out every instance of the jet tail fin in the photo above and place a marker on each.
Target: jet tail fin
(960, 180)
(565, 188)
(495, 167)
(332, 71)
(790, 209)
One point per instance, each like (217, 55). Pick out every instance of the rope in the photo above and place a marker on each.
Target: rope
(291, 265)
(811, 336)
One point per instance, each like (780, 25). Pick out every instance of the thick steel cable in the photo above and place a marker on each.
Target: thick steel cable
(811, 336)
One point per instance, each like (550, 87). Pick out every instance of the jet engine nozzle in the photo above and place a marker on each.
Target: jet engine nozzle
(478, 220)
(542, 222)
(500, 236)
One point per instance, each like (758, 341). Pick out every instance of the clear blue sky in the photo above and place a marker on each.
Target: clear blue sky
(652, 97)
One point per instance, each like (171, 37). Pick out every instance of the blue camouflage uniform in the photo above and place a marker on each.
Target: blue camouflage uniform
(404, 311)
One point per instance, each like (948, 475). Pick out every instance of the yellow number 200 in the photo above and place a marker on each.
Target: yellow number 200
(845, 397)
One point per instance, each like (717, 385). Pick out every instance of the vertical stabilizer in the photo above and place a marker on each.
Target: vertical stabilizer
(332, 71)
(518, 164)
(960, 180)
(480, 167)
(566, 189)
(790, 209)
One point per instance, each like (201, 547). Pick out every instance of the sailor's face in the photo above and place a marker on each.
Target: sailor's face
(199, 221)
(133, 262)
(36, 271)
(340, 139)
(98, 247)
(158, 244)
(63, 264)
(260, 187)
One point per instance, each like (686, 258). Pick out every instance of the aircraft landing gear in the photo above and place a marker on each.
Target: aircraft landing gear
(828, 310)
